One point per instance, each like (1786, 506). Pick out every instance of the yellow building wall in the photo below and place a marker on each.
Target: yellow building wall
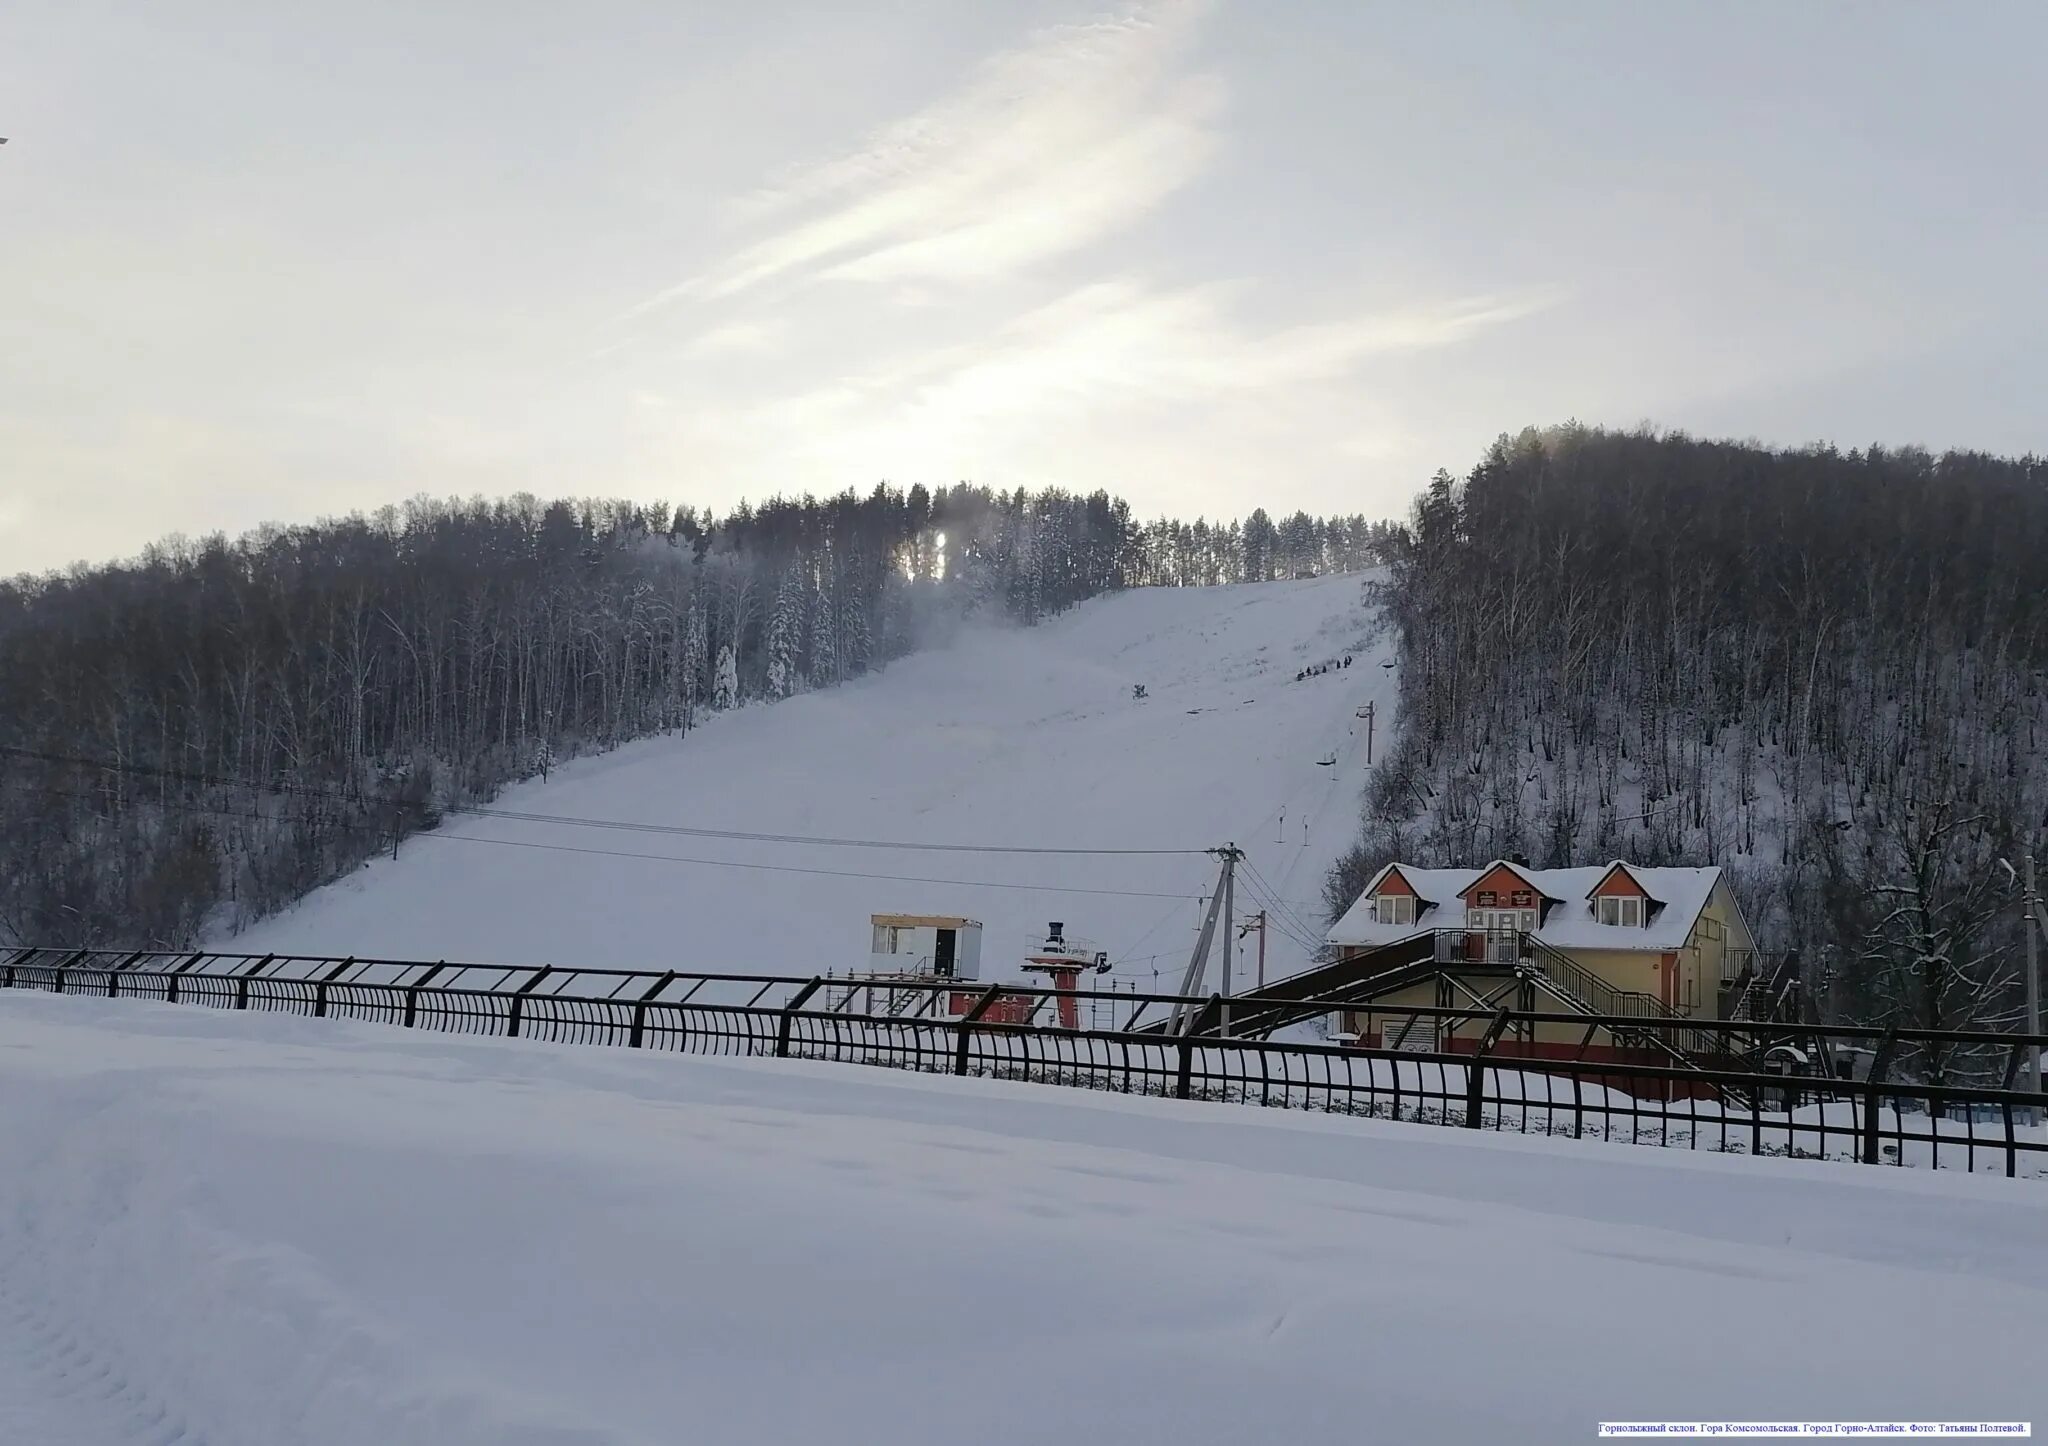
(1423, 996)
(1703, 965)
(1632, 970)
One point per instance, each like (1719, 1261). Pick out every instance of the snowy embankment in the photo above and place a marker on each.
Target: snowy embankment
(1003, 736)
(254, 1230)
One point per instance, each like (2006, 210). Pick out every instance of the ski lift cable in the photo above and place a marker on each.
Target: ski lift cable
(1348, 752)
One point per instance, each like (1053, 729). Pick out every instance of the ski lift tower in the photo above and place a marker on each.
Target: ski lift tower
(1064, 960)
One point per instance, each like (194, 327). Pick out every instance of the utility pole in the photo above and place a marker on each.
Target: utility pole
(1370, 709)
(2034, 927)
(1230, 858)
(1221, 903)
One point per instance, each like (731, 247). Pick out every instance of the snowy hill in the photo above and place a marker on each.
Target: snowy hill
(1021, 737)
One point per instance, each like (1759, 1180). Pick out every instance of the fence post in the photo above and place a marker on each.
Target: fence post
(412, 993)
(639, 1030)
(1873, 1097)
(519, 1000)
(965, 1029)
(113, 985)
(320, 988)
(171, 990)
(60, 979)
(1475, 1078)
(796, 1002)
(242, 979)
(2012, 1074)
(1184, 1078)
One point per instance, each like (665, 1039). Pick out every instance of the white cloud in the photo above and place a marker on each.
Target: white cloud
(752, 336)
(1044, 150)
(1120, 344)
(1111, 376)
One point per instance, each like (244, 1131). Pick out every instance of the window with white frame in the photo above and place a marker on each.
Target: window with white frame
(1396, 909)
(1627, 912)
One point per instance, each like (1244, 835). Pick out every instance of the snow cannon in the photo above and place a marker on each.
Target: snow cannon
(1064, 960)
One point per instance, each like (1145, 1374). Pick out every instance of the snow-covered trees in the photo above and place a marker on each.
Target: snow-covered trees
(1820, 668)
(275, 708)
(696, 650)
(725, 688)
(785, 635)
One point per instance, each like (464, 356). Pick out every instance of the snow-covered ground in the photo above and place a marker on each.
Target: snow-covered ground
(255, 1230)
(1001, 736)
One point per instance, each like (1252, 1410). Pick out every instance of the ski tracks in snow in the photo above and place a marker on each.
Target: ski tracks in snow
(57, 1389)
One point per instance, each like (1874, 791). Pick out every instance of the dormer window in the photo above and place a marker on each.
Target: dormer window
(1396, 909)
(1626, 912)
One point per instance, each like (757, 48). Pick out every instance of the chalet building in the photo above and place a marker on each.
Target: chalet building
(1656, 943)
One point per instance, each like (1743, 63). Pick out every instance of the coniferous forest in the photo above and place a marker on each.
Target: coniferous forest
(195, 738)
(1822, 669)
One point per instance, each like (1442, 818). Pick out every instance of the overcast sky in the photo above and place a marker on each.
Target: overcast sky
(268, 261)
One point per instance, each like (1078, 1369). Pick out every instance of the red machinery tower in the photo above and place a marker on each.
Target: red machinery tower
(1064, 961)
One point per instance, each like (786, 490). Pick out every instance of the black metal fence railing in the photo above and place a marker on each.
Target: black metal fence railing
(1530, 1072)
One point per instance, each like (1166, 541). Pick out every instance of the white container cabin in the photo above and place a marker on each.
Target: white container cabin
(936, 945)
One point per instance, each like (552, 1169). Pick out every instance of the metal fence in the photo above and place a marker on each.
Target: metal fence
(1525, 1072)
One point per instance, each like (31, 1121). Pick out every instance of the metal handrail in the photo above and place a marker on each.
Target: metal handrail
(440, 972)
(1480, 1082)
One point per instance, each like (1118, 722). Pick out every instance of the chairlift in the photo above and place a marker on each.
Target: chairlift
(1330, 762)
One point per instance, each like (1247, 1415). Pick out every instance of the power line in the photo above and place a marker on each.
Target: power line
(1279, 901)
(436, 837)
(1278, 910)
(793, 869)
(1157, 925)
(573, 821)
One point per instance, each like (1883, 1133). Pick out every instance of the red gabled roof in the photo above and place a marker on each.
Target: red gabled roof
(1393, 872)
(1499, 866)
(1626, 872)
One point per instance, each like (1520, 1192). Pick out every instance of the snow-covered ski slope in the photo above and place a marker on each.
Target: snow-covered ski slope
(1002, 735)
(257, 1230)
